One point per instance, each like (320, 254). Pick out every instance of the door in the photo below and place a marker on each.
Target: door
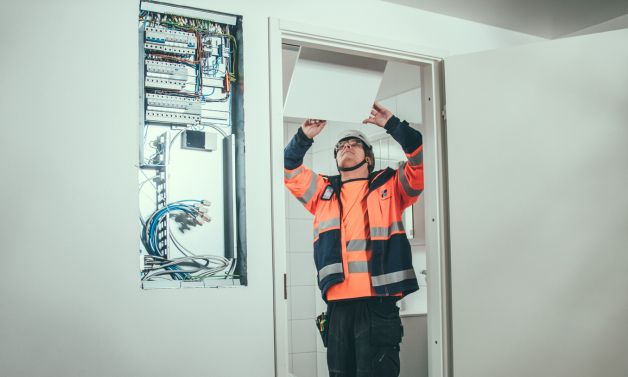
(537, 140)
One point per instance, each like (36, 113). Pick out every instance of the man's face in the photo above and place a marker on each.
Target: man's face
(349, 153)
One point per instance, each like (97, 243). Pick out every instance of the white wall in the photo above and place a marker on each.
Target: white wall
(538, 214)
(71, 303)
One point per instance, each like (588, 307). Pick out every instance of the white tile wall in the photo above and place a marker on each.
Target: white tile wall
(380, 149)
(302, 269)
(289, 289)
(290, 339)
(321, 361)
(295, 210)
(302, 303)
(332, 169)
(319, 163)
(419, 260)
(319, 344)
(390, 103)
(414, 347)
(299, 241)
(301, 279)
(409, 106)
(289, 130)
(300, 236)
(323, 140)
(304, 330)
(304, 364)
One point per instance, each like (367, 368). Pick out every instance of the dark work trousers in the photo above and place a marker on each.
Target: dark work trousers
(363, 338)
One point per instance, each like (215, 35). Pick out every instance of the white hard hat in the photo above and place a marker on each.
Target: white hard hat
(368, 148)
(355, 134)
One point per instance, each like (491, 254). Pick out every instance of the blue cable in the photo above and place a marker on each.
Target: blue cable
(153, 222)
(156, 218)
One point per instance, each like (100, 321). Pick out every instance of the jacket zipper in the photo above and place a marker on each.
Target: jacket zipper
(340, 222)
(369, 217)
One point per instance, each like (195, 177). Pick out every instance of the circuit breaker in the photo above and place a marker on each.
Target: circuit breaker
(191, 149)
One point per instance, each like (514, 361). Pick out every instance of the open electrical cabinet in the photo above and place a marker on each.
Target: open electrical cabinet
(191, 148)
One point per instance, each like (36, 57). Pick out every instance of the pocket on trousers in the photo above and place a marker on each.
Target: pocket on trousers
(386, 362)
(385, 325)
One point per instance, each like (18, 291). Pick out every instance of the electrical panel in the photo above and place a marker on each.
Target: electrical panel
(191, 149)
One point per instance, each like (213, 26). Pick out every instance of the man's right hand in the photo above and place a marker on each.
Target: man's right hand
(312, 127)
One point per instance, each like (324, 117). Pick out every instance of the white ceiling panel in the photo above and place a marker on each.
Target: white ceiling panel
(399, 78)
(333, 86)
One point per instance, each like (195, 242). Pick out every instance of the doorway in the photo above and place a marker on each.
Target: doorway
(409, 90)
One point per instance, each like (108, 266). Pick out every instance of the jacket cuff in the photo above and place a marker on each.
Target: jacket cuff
(409, 138)
(391, 124)
(302, 138)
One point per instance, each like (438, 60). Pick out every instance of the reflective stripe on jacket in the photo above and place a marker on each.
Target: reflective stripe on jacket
(390, 192)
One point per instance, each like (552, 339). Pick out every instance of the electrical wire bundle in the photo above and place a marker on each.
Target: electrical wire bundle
(189, 267)
(203, 31)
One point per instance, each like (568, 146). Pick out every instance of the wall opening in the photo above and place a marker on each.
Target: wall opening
(401, 92)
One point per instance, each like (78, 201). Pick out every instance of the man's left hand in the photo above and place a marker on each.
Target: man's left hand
(379, 115)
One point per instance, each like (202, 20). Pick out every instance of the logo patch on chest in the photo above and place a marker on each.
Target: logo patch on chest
(384, 193)
(329, 191)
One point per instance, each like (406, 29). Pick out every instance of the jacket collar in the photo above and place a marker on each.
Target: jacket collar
(376, 179)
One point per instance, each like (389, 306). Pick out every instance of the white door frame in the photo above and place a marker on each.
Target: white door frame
(439, 335)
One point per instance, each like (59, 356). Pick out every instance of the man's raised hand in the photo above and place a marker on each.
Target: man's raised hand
(312, 127)
(379, 115)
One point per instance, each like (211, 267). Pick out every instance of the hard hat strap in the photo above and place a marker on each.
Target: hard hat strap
(351, 168)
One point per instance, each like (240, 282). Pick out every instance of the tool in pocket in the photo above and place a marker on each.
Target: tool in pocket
(322, 326)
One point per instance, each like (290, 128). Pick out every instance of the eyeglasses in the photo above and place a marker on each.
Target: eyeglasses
(351, 142)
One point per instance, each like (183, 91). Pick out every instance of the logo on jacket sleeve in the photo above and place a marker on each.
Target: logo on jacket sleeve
(329, 191)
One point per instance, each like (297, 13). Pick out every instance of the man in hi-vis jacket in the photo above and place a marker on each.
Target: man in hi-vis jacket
(361, 251)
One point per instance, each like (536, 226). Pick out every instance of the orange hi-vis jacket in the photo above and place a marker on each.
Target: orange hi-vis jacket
(355, 245)
(389, 193)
